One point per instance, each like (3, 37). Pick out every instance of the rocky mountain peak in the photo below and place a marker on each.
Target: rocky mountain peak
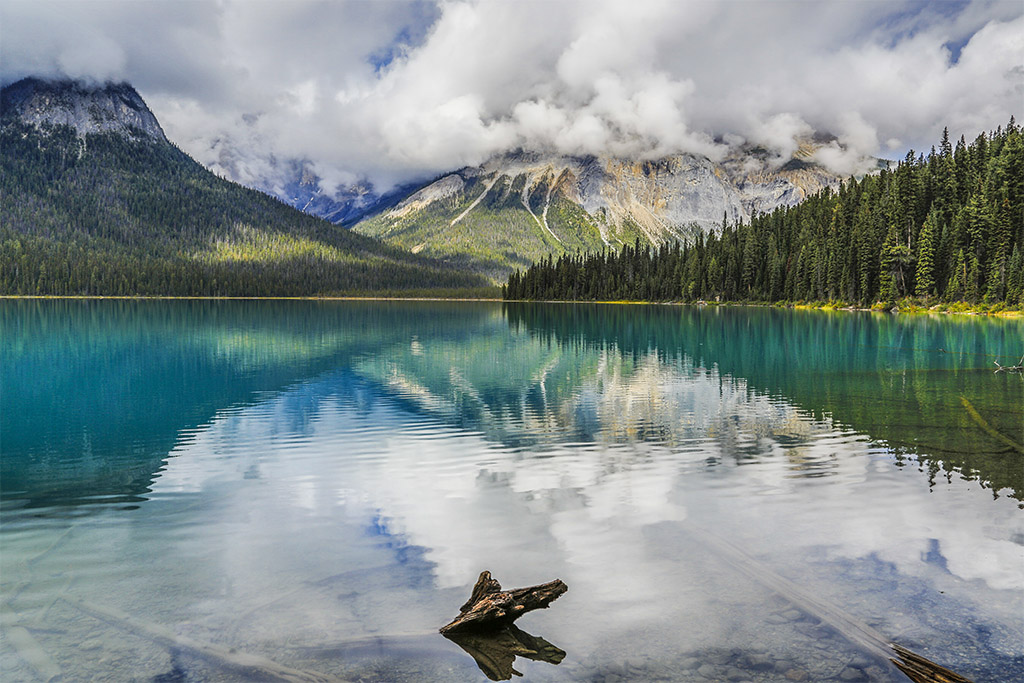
(522, 206)
(107, 108)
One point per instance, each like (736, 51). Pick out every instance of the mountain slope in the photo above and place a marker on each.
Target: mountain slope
(519, 208)
(96, 201)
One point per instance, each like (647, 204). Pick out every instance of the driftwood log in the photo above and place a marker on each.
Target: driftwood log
(1019, 367)
(987, 428)
(484, 627)
(921, 670)
(491, 608)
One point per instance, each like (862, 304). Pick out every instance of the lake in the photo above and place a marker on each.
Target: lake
(185, 484)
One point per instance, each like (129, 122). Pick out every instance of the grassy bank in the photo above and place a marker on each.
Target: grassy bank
(902, 306)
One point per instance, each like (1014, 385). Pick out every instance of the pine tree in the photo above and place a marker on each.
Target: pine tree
(925, 279)
(1015, 276)
(957, 286)
(887, 260)
(973, 290)
(999, 250)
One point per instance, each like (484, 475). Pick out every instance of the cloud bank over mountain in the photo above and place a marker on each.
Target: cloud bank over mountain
(391, 91)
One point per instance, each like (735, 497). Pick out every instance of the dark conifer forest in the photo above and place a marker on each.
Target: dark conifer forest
(106, 214)
(943, 227)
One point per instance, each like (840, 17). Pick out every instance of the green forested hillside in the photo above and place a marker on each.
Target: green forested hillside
(948, 226)
(490, 228)
(104, 214)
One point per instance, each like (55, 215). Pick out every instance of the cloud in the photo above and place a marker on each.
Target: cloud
(392, 91)
(849, 154)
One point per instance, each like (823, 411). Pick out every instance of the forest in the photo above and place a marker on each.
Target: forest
(943, 227)
(107, 214)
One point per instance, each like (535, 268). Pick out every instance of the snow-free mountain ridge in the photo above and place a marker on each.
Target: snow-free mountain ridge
(522, 206)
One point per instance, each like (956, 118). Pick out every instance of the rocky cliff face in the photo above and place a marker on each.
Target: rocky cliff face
(109, 108)
(519, 207)
(662, 197)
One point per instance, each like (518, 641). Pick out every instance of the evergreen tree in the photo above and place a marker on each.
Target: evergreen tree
(1015, 277)
(957, 287)
(888, 267)
(999, 250)
(925, 277)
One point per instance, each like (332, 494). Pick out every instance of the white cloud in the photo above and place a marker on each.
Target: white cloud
(779, 134)
(395, 90)
(856, 139)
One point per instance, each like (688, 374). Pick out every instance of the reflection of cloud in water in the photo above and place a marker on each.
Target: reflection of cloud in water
(882, 510)
(721, 455)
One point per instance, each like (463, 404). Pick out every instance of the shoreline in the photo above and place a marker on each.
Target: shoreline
(161, 297)
(945, 309)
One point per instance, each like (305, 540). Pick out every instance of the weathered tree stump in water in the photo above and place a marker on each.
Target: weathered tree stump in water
(491, 608)
(484, 627)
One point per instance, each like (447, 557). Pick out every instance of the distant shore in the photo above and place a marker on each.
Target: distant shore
(154, 297)
(956, 308)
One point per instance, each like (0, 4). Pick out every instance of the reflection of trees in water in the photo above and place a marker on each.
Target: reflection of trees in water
(523, 391)
(898, 379)
(105, 389)
(98, 393)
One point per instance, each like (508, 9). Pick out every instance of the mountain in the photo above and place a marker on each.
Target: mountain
(114, 108)
(96, 200)
(305, 193)
(518, 208)
(303, 189)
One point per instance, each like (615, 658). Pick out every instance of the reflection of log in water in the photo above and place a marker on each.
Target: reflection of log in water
(916, 667)
(495, 652)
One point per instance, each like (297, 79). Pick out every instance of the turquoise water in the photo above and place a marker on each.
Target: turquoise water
(320, 483)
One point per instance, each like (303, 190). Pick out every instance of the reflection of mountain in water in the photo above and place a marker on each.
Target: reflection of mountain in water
(897, 379)
(97, 394)
(668, 374)
(527, 394)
